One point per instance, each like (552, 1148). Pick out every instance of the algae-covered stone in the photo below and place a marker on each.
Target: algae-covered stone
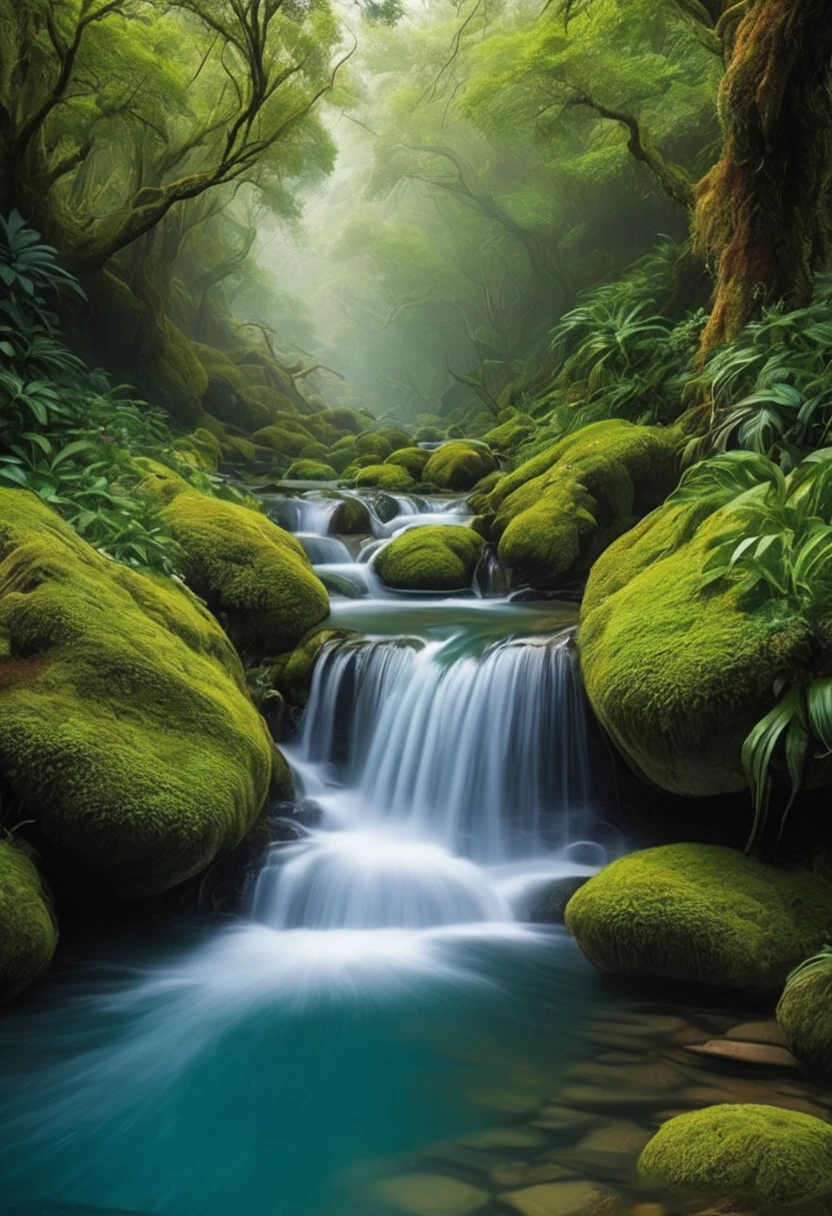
(310, 470)
(752, 1155)
(510, 433)
(700, 913)
(434, 558)
(351, 516)
(458, 466)
(281, 440)
(385, 477)
(125, 724)
(429, 434)
(252, 574)
(804, 1014)
(412, 459)
(397, 438)
(373, 443)
(559, 510)
(679, 673)
(28, 932)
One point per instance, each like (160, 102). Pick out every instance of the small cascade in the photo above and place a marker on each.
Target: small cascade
(415, 512)
(309, 513)
(324, 550)
(487, 753)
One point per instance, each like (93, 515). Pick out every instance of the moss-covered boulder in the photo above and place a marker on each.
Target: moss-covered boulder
(232, 396)
(201, 449)
(678, 672)
(342, 418)
(315, 451)
(429, 434)
(125, 725)
(310, 470)
(434, 558)
(396, 437)
(558, 511)
(288, 443)
(804, 1014)
(385, 477)
(753, 1156)
(351, 517)
(28, 931)
(251, 573)
(412, 459)
(373, 443)
(510, 432)
(291, 673)
(700, 913)
(458, 466)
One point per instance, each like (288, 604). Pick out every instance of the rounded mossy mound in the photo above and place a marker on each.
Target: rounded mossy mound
(285, 442)
(752, 1155)
(558, 511)
(350, 517)
(310, 470)
(396, 437)
(385, 477)
(28, 931)
(434, 558)
(429, 434)
(804, 1014)
(126, 728)
(373, 443)
(700, 913)
(252, 574)
(677, 672)
(458, 466)
(412, 459)
(510, 433)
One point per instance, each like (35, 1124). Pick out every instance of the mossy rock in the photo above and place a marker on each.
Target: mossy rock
(252, 574)
(346, 443)
(227, 396)
(481, 494)
(125, 723)
(429, 434)
(397, 438)
(458, 466)
(278, 439)
(238, 451)
(291, 673)
(385, 477)
(558, 511)
(342, 418)
(510, 433)
(804, 1015)
(677, 673)
(310, 470)
(315, 451)
(28, 930)
(351, 517)
(201, 449)
(373, 443)
(703, 914)
(434, 558)
(412, 459)
(340, 458)
(754, 1156)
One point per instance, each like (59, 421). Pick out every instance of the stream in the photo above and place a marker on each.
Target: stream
(386, 990)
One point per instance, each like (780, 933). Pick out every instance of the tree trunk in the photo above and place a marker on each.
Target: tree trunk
(763, 211)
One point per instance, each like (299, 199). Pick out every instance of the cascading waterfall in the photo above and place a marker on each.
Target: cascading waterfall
(439, 772)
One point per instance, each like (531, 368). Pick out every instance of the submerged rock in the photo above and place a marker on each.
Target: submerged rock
(431, 1195)
(28, 931)
(125, 724)
(252, 574)
(753, 1155)
(700, 913)
(559, 510)
(437, 557)
(458, 466)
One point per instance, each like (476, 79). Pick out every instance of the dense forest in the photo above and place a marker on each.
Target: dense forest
(321, 323)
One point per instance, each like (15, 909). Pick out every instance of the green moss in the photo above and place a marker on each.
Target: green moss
(342, 418)
(433, 558)
(238, 451)
(412, 459)
(679, 675)
(397, 438)
(310, 470)
(125, 723)
(373, 443)
(291, 674)
(559, 510)
(458, 466)
(429, 434)
(345, 444)
(510, 432)
(340, 458)
(315, 451)
(700, 913)
(384, 477)
(752, 1155)
(351, 517)
(804, 1015)
(229, 394)
(201, 449)
(252, 574)
(28, 932)
(278, 439)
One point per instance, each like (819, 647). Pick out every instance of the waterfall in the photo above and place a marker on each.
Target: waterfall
(449, 779)
(310, 514)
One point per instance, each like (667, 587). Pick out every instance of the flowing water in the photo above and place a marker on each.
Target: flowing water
(384, 989)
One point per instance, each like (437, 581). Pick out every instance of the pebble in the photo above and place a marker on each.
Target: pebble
(561, 1118)
(768, 1054)
(556, 1198)
(757, 1032)
(519, 1173)
(431, 1195)
(505, 1137)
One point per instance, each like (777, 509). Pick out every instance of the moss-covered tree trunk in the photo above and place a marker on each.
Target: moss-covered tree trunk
(763, 211)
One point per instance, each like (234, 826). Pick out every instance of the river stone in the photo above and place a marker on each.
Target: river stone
(505, 1137)
(549, 907)
(521, 1173)
(617, 1139)
(431, 1195)
(557, 1198)
(736, 1051)
(757, 1032)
